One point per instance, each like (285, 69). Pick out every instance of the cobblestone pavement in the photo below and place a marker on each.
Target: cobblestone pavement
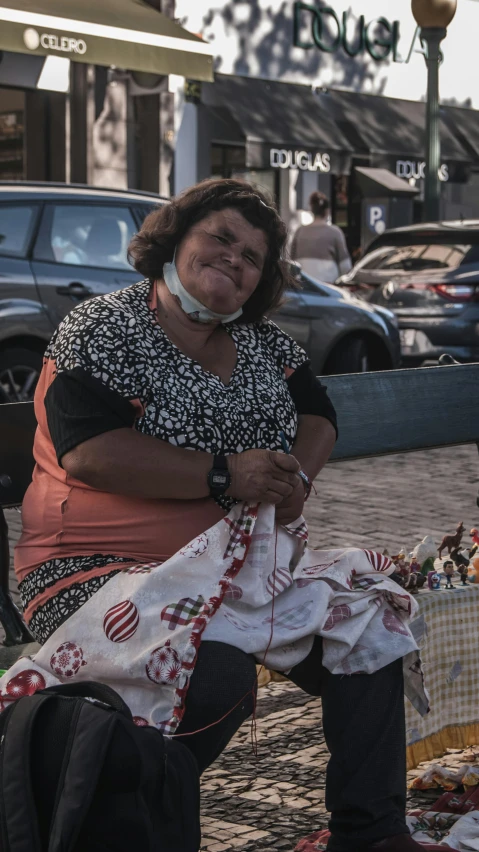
(269, 801)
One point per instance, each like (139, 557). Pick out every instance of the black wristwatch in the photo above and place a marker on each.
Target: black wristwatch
(219, 477)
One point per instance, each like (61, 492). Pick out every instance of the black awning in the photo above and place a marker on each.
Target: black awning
(284, 118)
(126, 33)
(464, 124)
(388, 127)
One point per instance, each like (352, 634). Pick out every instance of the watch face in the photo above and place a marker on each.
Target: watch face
(218, 478)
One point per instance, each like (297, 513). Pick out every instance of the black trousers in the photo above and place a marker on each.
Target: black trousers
(364, 729)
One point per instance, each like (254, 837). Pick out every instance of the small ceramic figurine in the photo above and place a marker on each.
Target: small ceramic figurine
(425, 553)
(433, 581)
(401, 572)
(464, 573)
(428, 565)
(414, 582)
(473, 570)
(475, 541)
(452, 541)
(459, 558)
(414, 565)
(448, 568)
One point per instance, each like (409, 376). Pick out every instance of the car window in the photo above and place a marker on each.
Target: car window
(142, 211)
(91, 235)
(16, 224)
(418, 258)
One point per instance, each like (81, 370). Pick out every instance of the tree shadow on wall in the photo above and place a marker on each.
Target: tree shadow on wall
(265, 48)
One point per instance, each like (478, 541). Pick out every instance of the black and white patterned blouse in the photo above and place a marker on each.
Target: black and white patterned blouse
(113, 347)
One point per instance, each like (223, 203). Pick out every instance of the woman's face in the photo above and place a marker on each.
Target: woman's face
(220, 260)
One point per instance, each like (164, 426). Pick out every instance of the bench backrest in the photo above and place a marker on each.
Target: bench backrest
(378, 413)
(405, 410)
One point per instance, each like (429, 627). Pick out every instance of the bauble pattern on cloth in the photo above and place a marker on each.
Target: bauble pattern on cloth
(246, 582)
(67, 660)
(121, 621)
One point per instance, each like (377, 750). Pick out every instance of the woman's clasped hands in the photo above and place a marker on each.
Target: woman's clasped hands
(266, 476)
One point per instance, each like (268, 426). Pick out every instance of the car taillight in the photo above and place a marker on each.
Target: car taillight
(455, 292)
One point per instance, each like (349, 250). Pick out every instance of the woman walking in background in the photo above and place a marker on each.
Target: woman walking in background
(320, 248)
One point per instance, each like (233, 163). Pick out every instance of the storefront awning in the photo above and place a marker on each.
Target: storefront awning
(381, 183)
(388, 129)
(124, 33)
(464, 124)
(280, 122)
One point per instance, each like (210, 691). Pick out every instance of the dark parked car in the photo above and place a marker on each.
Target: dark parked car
(61, 244)
(340, 333)
(429, 276)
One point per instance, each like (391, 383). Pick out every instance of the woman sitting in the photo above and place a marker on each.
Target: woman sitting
(163, 411)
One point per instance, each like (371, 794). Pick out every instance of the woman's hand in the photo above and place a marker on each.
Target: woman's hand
(291, 507)
(262, 475)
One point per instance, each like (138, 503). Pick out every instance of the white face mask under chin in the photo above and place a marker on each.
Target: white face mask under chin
(191, 306)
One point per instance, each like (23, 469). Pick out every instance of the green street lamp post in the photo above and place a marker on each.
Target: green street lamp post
(433, 16)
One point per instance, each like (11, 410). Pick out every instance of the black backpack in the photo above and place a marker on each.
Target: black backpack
(77, 775)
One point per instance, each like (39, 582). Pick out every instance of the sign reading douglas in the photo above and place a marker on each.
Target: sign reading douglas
(379, 37)
(282, 158)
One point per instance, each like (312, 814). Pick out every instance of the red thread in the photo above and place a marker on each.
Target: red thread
(252, 691)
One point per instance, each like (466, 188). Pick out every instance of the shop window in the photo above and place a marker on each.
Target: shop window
(225, 159)
(16, 224)
(91, 235)
(12, 134)
(264, 179)
(340, 201)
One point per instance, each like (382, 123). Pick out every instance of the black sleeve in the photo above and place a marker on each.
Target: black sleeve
(79, 407)
(310, 396)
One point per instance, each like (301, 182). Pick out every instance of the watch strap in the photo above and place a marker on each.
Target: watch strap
(220, 463)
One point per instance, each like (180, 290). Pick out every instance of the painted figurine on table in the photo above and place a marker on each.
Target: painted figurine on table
(414, 582)
(433, 581)
(475, 541)
(414, 566)
(401, 569)
(448, 569)
(425, 553)
(463, 571)
(452, 541)
(459, 557)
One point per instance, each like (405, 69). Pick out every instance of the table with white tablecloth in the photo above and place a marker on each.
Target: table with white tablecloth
(447, 631)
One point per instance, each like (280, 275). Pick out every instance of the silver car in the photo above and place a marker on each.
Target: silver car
(428, 275)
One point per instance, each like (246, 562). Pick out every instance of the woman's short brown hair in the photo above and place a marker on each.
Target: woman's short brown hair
(162, 230)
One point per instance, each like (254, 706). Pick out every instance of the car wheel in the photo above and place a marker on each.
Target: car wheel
(349, 356)
(19, 373)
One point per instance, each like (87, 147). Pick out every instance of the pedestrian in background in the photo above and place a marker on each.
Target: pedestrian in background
(320, 247)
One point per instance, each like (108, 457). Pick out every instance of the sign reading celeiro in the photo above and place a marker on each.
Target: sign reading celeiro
(380, 37)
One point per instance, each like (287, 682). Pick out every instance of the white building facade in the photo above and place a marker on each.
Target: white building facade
(306, 92)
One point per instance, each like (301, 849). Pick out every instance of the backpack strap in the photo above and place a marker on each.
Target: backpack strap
(91, 689)
(18, 817)
(91, 732)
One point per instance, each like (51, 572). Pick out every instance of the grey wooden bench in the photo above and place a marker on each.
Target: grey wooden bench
(379, 414)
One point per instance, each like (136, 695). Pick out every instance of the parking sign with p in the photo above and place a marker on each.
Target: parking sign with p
(376, 218)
